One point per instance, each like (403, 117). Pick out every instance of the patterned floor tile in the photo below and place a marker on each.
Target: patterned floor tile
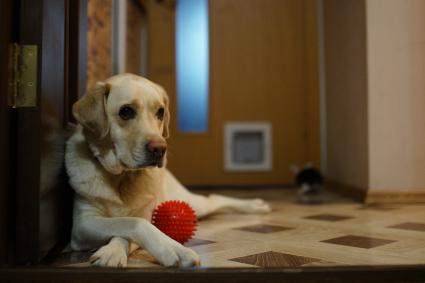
(377, 206)
(328, 217)
(412, 226)
(263, 228)
(275, 259)
(285, 238)
(358, 241)
(198, 242)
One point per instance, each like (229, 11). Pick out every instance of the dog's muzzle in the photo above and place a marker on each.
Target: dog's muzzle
(155, 150)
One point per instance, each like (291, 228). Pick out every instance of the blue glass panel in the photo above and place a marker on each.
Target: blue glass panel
(192, 65)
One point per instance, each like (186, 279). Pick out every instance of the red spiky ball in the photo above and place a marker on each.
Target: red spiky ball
(176, 219)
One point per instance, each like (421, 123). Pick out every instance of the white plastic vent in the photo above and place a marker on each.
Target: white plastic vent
(247, 146)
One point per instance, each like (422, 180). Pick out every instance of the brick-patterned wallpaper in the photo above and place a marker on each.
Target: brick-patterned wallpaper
(99, 41)
(133, 38)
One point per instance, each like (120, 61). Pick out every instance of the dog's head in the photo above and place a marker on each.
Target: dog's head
(126, 121)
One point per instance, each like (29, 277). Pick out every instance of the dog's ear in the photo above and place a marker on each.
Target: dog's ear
(166, 130)
(90, 110)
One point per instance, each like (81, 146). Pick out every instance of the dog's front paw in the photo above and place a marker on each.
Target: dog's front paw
(110, 256)
(170, 253)
(255, 206)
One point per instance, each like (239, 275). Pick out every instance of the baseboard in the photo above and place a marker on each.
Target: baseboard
(239, 186)
(368, 196)
(395, 197)
(355, 193)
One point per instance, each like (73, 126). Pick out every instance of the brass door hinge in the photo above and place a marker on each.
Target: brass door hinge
(23, 76)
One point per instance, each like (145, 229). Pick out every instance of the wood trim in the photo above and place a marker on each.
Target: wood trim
(7, 36)
(38, 212)
(417, 196)
(355, 193)
(28, 149)
(312, 108)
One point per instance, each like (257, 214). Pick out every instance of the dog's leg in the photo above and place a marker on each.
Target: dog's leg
(206, 205)
(114, 254)
(214, 203)
(94, 231)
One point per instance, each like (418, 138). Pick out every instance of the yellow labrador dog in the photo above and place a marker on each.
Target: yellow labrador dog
(116, 163)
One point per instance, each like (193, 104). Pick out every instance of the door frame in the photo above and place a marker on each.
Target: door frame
(33, 23)
(7, 36)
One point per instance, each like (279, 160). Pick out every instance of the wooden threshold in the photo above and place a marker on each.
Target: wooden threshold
(356, 274)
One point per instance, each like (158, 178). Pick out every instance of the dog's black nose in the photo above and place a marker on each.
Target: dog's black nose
(157, 148)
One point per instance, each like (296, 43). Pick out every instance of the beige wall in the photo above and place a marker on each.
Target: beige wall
(346, 92)
(375, 80)
(396, 68)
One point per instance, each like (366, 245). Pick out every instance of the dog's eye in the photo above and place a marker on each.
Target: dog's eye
(126, 113)
(160, 113)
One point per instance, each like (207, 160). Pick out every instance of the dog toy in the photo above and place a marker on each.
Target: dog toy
(176, 219)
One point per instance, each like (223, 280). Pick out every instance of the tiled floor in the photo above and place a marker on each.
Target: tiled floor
(337, 232)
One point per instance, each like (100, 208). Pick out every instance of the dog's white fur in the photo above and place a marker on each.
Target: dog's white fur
(115, 192)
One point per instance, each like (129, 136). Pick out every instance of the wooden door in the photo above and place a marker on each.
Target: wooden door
(38, 197)
(263, 67)
(7, 36)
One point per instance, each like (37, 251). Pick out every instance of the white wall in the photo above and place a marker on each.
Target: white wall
(396, 94)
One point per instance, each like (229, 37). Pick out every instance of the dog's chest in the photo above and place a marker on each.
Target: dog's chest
(139, 201)
(143, 206)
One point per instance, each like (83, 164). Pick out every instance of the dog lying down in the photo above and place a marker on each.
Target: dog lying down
(116, 164)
